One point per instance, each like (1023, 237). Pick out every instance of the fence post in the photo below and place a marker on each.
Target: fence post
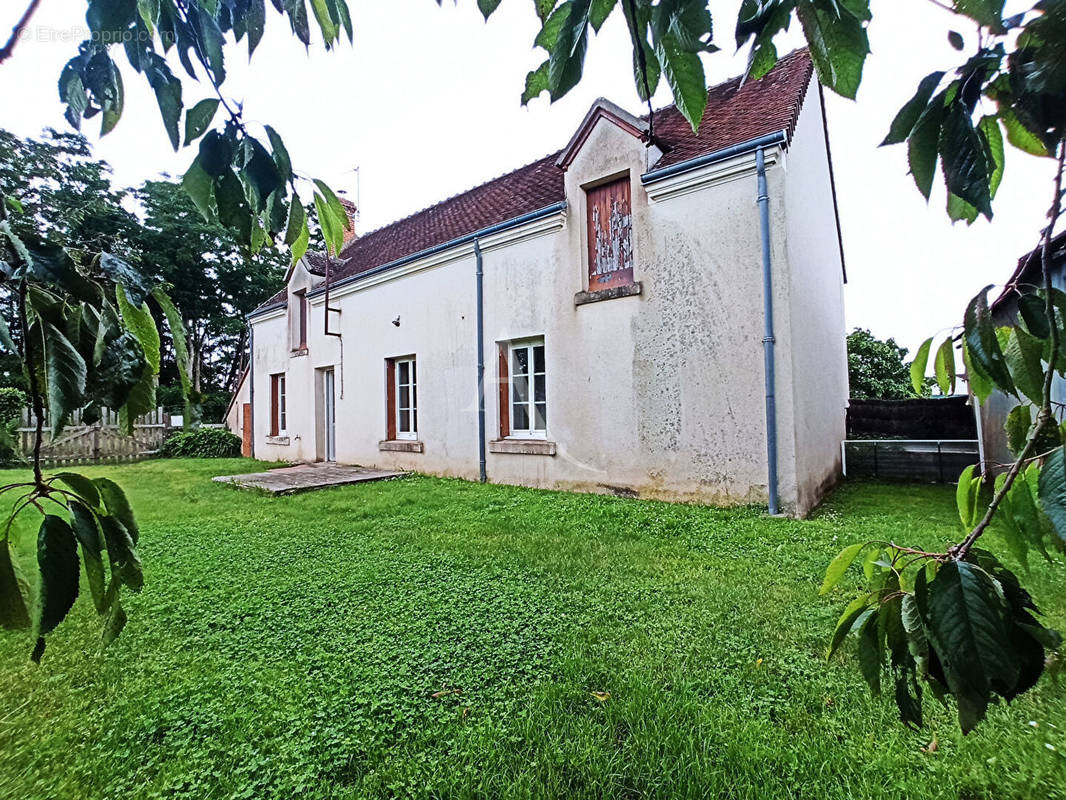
(876, 475)
(96, 442)
(939, 462)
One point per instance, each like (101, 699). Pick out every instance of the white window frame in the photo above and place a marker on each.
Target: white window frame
(412, 409)
(532, 432)
(282, 409)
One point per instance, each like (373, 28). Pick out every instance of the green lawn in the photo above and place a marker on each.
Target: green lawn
(296, 646)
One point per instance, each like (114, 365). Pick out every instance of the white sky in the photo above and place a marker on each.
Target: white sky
(426, 104)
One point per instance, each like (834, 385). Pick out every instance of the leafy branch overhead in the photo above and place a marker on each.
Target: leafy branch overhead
(245, 181)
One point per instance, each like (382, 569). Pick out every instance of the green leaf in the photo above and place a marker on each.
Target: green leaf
(536, 83)
(65, 370)
(913, 625)
(598, 14)
(168, 98)
(944, 366)
(57, 556)
(1020, 136)
(299, 247)
(340, 215)
(14, 611)
(838, 45)
(984, 349)
(852, 612)
(329, 26)
(683, 71)
(125, 565)
(280, 155)
(964, 159)
(1023, 354)
(988, 129)
(907, 117)
(198, 118)
(919, 366)
(200, 188)
(870, 657)
(177, 336)
(118, 506)
(1034, 313)
(88, 535)
(297, 223)
(116, 621)
(135, 283)
(81, 486)
(1053, 491)
(331, 231)
(980, 384)
(140, 323)
(967, 624)
(923, 145)
(988, 13)
(487, 7)
(839, 565)
(964, 496)
(1019, 421)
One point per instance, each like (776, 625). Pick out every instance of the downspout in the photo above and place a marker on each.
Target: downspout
(768, 333)
(251, 381)
(480, 272)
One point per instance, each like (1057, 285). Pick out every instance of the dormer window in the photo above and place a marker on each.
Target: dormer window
(299, 311)
(610, 235)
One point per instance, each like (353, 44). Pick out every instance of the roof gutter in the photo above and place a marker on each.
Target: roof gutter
(752, 145)
(547, 211)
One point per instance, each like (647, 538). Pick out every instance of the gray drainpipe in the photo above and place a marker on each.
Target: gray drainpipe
(482, 474)
(251, 381)
(768, 332)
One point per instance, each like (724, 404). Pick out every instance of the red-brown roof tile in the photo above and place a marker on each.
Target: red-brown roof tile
(735, 114)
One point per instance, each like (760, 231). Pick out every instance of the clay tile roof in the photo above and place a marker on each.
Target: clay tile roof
(735, 114)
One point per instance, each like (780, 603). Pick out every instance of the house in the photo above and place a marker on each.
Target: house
(992, 413)
(596, 320)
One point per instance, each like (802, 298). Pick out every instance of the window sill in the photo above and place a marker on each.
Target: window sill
(402, 446)
(300, 351)
(629, 290)
(524, 447)
(277, 440)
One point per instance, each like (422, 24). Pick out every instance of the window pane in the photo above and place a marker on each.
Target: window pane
(541, 416)
(520, 361)
(520, 386)
(405, 421)
(405, 397)
(413, 371)
(538, 358)
(520, 415)
(404, 371)
(414, 421)
(540, 389)
(414, 397)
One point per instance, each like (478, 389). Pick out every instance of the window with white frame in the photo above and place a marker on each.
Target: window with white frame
(527, 390)
(403, 398)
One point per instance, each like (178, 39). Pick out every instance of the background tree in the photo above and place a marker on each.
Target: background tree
(876, 369)
(215, 283)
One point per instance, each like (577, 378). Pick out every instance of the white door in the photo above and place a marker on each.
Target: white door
(330, 414)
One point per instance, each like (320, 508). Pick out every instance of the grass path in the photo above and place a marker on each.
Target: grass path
(435, 638)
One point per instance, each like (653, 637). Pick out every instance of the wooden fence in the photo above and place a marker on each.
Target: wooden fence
(99, 443)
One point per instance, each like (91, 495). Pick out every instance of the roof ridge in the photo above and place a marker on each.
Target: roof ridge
(449, 198)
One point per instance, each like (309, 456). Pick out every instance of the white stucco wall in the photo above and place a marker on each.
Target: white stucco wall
(659, 395)
(816, 305)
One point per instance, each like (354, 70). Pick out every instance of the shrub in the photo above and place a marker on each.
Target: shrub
(12, 401)
(202, 443)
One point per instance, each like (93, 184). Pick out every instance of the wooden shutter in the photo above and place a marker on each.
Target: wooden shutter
(610, 232)
(303, 319)
(246, 431)
(505, 395)
(390, 399)
(274, 410)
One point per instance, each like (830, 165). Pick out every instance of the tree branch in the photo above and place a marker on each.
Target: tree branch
(16, 32)
(1044, 415)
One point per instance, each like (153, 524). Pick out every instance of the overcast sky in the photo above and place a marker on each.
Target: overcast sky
(426, 104)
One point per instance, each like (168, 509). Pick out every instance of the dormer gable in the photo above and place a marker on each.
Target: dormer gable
(602, 110)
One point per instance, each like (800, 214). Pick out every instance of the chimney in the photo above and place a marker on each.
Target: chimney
(353, 214)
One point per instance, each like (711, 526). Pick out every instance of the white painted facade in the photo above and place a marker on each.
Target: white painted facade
(659, 394)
